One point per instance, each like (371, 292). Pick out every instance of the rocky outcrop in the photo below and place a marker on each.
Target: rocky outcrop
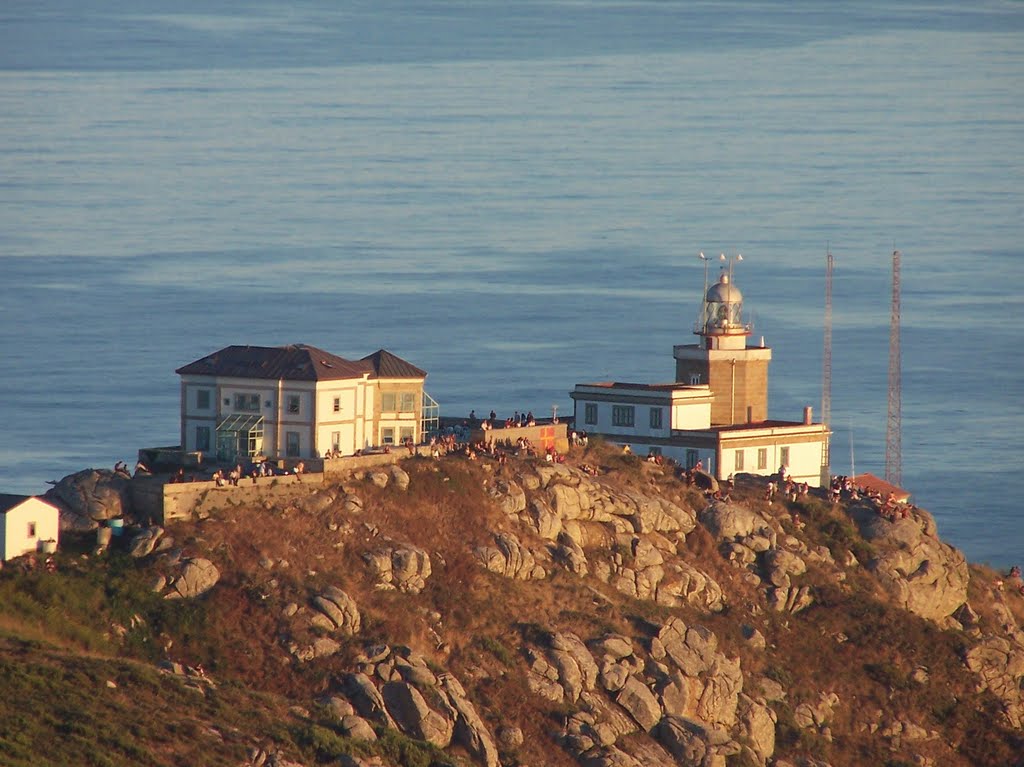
(921, 573)
(144, 542)
(757, 727)
(731, 521)
(340, 610)
(197, 576)
(684, 692)
(817, 714)
(399, 477)
(412, 699)
(510, 558)
(405, 568)
(650, 573)
(693, 743)
(470, 730)
(713, 681)
(999, 664)
(88, 497)
(414, 717)
(572, 502)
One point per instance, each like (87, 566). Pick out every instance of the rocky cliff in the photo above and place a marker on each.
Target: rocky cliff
(598, 612)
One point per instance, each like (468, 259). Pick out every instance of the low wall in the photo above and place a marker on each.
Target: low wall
(346, 464)
(542, 436)
(156, 499)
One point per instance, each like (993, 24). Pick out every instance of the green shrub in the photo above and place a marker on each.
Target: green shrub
(498, 649)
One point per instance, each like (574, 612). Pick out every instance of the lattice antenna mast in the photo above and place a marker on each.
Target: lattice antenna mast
(826, 359)
(894, 428)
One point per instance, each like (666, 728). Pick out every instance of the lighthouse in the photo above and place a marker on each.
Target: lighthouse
(722, 359)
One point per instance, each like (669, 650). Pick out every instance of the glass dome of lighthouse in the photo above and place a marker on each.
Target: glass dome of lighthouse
(721, 320)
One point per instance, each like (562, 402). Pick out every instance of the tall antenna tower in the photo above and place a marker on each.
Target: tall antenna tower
(826, 363)
(894, 428)
(826, 360)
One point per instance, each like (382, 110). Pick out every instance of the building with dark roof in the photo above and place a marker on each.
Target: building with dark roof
(298, 401)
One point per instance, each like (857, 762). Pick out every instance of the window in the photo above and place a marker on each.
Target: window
(31, 529)
(293, 403)
(692, 457)
(293, 444)
(387, 436)
(694, 379)
(337, 404)
(739, 460)
(405, 433)
(387, 401)
(247, 403)
(623, 415)
(590, 414)
(762, 458)
(408, 401)
(203, 438)
(784, 456)
(202, 399)
(656, 417)
(335, 440)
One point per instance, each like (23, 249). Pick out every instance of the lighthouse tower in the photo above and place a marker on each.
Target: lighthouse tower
(736, 373)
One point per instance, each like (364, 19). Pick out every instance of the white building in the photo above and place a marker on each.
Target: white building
(298, 401)
(25, 521)
(715, 413)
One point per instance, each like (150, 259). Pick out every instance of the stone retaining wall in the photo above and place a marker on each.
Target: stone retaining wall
(160, 501)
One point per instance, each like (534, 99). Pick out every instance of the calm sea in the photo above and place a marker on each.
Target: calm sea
(512, 196)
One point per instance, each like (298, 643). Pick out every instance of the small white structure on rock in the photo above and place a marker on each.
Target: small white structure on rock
(298, 401)
(26, 522)
(715, 413)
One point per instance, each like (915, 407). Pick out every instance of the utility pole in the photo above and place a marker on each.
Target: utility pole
(826, 362)
(894, 427)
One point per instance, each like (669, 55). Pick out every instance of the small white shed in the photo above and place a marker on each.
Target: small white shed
(25, 520)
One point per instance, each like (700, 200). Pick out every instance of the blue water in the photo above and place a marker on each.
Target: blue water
(512, 196)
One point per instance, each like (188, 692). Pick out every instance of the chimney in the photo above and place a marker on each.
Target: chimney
(808, 417)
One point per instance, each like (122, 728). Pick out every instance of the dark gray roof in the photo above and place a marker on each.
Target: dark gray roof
(387, 365)
(8, 501)
(297, 362)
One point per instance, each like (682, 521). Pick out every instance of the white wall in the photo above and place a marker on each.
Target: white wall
(804, 460)
(641, 423)
(16, 539)
(691, 415)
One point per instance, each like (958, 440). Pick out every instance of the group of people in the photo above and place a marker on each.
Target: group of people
(1015, 579)
(29, 563)
(259, 469)
(121, 468)
(791, 491)
(514, 421)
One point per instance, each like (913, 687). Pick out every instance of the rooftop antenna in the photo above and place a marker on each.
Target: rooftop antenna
(705, 259)
(894, 427)
(739, 257)
(703, 296)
